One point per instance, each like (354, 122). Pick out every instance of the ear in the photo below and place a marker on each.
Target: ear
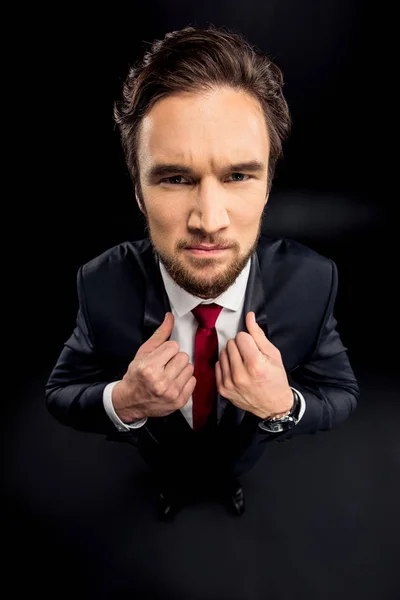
(138, 200)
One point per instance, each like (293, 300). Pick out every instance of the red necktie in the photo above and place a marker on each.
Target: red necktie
(205, 357)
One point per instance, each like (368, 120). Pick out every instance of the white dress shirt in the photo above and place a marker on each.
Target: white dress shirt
(230, 321)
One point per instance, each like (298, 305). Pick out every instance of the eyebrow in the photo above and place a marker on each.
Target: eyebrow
(163, 169)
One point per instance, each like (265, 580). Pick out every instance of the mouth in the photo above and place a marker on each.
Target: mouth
(206, 251)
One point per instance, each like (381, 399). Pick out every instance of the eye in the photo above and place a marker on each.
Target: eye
(179, 179)
(240, 175)
(171, 180)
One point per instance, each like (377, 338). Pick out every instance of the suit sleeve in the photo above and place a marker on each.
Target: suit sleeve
(74, 390)
(326, 380)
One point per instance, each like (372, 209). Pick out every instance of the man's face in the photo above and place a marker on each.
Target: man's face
(197, 189)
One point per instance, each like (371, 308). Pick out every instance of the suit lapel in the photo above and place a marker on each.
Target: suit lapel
(156, 302)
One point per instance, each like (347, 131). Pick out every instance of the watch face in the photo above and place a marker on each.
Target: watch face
(277, 426)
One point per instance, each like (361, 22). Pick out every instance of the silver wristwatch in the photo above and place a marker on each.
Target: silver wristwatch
(280, 424)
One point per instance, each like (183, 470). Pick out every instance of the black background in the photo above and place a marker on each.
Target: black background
(332, 190)
(71, 199)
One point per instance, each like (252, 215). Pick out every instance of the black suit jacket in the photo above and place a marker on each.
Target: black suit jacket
(122, 301)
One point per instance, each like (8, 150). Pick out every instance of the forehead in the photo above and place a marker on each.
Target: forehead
(217, 126)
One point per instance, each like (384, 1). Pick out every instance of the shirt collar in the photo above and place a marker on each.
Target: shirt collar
(183, 302)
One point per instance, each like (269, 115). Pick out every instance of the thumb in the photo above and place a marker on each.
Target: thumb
(258, 335)
(160, 335)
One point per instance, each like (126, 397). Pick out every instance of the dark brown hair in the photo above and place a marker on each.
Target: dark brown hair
(193, 60)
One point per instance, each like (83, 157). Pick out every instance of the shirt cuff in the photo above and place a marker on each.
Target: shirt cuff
(302, 403)
(109, 408)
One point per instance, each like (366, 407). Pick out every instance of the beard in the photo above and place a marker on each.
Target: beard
(198, 275)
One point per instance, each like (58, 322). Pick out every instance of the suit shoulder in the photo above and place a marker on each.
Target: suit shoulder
(290, 265)
(290, 251)
(120, 255)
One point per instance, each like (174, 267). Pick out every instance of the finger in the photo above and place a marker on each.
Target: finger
(185, 376)
(160, 335)
(163, 354)
(175, 366)
(225, 369)
(248, 350)
(218, 376)
(219, 379)
(258, 335)
(187, 391)
(237, 367)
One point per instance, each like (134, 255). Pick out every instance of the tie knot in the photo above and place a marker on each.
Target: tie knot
(207, 314)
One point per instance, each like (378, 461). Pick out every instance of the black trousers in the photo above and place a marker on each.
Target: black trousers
(179, 453)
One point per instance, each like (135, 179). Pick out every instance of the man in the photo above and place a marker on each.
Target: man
(205, 340)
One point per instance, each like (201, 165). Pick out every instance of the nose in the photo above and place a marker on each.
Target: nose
(208, 212)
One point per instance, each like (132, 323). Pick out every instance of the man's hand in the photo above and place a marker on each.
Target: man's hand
(250, 373)
(158, 381)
